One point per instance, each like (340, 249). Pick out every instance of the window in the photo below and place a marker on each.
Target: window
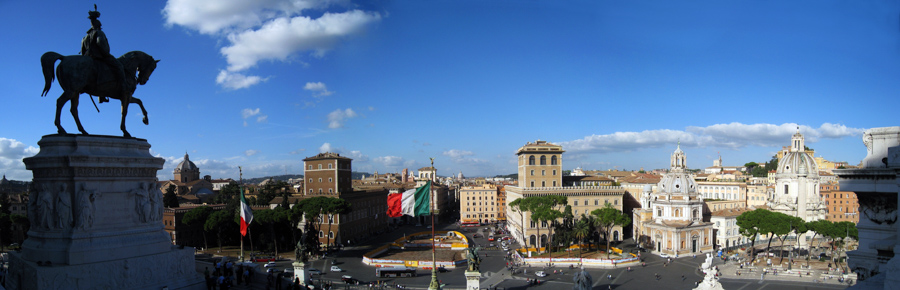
(329, 166)
(553, 160)
(616, 202)
(320, 179)
(543, 160)
(531, 160)
(321, 234)
(532, 172)
(543, 172)
(532, 184)
(320, 166)
(331, 235)
(596, 202)
(310, 191)
(320, 190)
(543, 184)
(310, 167)
(331, 190)
(576, 202)
(554, 171)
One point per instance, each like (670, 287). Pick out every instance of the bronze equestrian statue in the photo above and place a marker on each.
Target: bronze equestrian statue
(96, 73)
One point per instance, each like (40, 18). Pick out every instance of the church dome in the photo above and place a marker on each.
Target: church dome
(186, 166)
(678, 180)
(798, 163)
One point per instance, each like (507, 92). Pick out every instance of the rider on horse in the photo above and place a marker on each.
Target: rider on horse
(95, 45)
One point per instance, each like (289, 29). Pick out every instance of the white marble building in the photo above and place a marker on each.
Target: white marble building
(797, 184)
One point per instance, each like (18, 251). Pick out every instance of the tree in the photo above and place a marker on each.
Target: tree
(170, 200)
(818, 227)
(270, 218)
(582, 230)
(749, 224)
(775, 225)
(217, 221)
(319, 208)
(607, 218)
(772, 164)
(521, 206)
(794, 224)
(333, 209)
(196, 218)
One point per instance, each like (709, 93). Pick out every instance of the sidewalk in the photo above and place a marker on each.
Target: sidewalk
(730, 270)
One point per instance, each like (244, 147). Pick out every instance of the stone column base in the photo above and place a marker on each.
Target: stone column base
(473, 280)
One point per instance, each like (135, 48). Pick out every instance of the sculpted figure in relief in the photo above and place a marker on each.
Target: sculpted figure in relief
(85, 207)
(156, 202)
(141, 202)
(45, 206)
(63, 207)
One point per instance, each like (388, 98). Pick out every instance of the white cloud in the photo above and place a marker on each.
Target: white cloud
(251, 152)
(319, 89)
(733, 135)
(358, 156)
(11, 154)
(325, 148)
(337, 118)
(234, 81)
(389, 161)
(298, 151)
(266, 30)
(248, 113)
(278, 38)
(214, 16)
(455, 154)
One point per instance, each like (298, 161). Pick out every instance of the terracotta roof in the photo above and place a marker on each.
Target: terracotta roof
(729, 212)
(326, 155)
(641, 178)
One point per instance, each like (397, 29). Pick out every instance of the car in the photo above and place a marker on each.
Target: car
(336, 269)
(442, 269)
(347, 278)
(314, 271)
(540, 274)
(491, 245)
(269, 265)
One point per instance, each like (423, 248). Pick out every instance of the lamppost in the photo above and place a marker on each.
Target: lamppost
(791, 255)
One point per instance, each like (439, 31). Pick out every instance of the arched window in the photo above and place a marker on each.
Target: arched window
(543, 184)
(320, 166)
(554, 183)
(329, 165)
(543, 160)
(310, 167)
(321, 234)
(331, 235)
(320, 179)
(331, 190)
(531, 160)
(329, 179)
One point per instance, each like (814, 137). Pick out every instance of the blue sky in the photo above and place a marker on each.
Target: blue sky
(264, 84)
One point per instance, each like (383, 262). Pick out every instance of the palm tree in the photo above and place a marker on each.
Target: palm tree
(582, 230)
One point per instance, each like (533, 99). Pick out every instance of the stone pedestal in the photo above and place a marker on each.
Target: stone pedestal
(300, 273)
(473, 280)
(96, 220)
(876, 188)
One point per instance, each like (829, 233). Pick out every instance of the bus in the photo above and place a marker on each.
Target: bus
(469, 223)
(395, 272)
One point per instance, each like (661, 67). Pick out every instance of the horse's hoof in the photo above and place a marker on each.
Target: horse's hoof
(146, 121)
(126, 135)
(61, 131)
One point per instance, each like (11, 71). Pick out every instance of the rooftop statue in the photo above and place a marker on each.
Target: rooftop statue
(97, 73)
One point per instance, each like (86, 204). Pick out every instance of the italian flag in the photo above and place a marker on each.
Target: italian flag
(246, 214)
(413, 202)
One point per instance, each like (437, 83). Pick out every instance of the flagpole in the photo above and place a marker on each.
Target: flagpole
(241, 178)
(434, 280)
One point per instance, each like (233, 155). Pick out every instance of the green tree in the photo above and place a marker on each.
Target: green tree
(5, 229)
(218, 221)
(334, 208)
(196, 218)
(772, 164)
(521, 206)
(607, 218)
(795, 225)
(749, 224)
(582, 230)
(818, 228)
(270, 218)
(170, 200)
(317, 209)
(774, 226)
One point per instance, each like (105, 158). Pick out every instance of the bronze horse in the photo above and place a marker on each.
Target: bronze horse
(80, 74)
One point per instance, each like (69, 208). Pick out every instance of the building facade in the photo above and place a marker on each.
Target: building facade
(540, 174)
(670, 221)
(840, 206)
(479, 203)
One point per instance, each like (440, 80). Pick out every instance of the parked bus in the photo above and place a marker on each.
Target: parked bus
(469, 223)
(395, 272)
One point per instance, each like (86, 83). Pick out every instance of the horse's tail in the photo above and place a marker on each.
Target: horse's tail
(47, 60)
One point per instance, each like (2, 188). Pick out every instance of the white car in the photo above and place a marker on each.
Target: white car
(269, 265)
(336, 269)
(540, 274)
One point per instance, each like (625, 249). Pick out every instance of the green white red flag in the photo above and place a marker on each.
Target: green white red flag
(246, 214)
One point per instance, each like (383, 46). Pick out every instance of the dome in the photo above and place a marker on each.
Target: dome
(186, 165)
(797, 163)
(678, 181)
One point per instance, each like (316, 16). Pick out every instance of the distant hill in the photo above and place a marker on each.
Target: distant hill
(257, 180)
(513, 176)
